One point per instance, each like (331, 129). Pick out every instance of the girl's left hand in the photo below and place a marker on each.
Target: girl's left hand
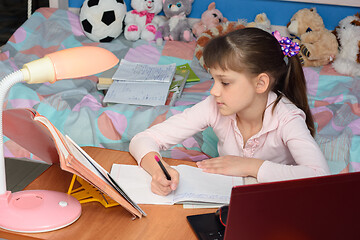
(231, 165)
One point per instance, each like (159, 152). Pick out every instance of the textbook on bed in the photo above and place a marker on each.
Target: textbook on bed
(139, 83)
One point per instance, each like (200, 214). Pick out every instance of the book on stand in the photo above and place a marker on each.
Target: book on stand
(44, 140)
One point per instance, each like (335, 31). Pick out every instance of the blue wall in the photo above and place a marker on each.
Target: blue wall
(279, 12)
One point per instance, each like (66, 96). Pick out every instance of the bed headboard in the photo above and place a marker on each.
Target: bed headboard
(278, 11)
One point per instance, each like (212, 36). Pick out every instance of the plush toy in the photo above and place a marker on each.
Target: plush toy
(348, 34)
(318, 46)
(210, 18)
(102, 21)
(177, 26)
(211, 33)
(142, 22)
(261, 21)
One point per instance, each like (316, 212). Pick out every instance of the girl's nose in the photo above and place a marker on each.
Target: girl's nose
(215, 90)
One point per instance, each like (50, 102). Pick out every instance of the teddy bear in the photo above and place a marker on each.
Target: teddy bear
(318, 46)
(261, 21)
(218, 30)
(177, 27)
(142, 22)
(210, 18)
(348, 34)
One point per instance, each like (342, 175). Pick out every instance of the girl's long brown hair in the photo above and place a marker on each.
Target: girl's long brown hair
(253, 51)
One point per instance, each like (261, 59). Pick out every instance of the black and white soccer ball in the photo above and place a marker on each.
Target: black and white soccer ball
(102, 20)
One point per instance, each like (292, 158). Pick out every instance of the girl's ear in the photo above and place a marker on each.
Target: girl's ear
(262, 83)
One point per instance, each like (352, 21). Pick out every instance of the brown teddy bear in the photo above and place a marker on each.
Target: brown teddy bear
(318, 46)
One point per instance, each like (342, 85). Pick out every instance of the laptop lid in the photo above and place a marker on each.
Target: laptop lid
(311, 208)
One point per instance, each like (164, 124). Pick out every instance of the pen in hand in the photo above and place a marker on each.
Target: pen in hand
(162, 168)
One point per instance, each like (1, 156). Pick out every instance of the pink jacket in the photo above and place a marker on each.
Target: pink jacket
(284, 141)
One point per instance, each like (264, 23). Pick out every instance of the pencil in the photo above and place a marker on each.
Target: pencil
(162, 168)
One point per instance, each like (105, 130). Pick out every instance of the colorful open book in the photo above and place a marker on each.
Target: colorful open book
(36, 134)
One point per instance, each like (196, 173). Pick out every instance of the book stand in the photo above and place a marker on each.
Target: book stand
(88, 193)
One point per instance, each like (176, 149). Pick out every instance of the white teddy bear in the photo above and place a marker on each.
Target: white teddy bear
(142, 22)
(348, 59)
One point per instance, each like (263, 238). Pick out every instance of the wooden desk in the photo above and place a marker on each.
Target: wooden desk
(97, 222)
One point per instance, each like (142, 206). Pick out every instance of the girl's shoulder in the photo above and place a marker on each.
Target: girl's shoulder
(284, 109)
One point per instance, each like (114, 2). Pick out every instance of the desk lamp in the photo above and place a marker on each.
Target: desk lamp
(43, 210)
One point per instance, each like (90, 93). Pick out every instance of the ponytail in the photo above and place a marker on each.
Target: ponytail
(294, 88)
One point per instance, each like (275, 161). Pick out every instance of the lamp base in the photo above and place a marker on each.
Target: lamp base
(34, 211)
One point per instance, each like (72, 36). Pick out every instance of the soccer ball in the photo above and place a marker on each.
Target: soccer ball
(102, 20)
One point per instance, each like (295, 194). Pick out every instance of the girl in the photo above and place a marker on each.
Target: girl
(258, 109)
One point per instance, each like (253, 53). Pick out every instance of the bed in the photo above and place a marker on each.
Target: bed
(75, 106)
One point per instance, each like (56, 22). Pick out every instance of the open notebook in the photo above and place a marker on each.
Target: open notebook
(195, 186)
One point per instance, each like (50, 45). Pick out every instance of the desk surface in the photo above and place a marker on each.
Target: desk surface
(97, 222)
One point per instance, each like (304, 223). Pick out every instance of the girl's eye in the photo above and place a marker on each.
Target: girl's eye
(225, 83)
(178, 4)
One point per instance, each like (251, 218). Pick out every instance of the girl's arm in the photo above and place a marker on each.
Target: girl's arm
(310, 161)
(232, 166)
(174, 130)
(145, 145)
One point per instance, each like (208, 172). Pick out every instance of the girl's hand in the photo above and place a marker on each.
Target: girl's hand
(160, 185)
(231, 165)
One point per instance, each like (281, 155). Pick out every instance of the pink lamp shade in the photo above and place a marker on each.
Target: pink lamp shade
(69, 63)
(88, 60)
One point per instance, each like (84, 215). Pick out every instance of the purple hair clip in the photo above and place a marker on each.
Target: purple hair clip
(288, 47)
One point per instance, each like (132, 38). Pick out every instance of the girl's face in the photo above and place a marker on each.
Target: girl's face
(234, 92)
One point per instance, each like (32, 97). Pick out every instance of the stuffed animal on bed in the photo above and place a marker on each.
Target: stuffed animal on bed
(177, 27)
(102, 21)
(318, 46)
(142, 22)
(210, 18)
(211, 33)
(261, 21)
(348, 34)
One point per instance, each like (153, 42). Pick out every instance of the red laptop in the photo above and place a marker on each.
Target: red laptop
(306, 209)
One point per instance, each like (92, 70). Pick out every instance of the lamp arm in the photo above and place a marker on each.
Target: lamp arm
(5, 86)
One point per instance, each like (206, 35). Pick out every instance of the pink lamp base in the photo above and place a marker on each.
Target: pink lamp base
(35, 211)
